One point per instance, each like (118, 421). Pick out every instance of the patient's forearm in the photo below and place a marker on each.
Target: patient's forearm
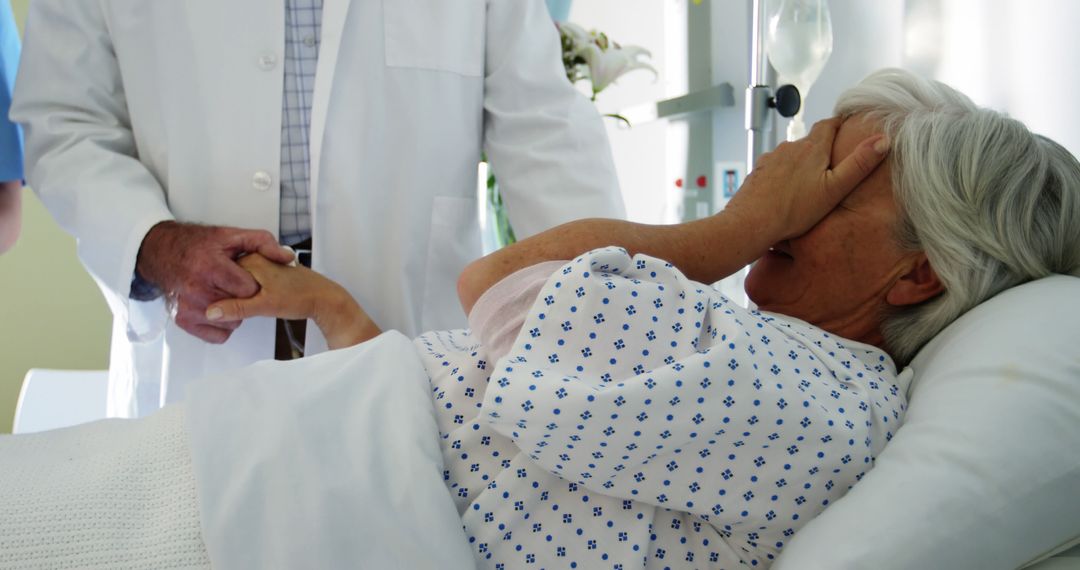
(705, 250)
(790, 190)
(343, 322)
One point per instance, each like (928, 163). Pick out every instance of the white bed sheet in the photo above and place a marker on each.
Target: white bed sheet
(328, 462)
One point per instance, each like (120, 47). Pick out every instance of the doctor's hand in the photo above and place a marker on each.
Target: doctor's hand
(287, 292)
(195, 265)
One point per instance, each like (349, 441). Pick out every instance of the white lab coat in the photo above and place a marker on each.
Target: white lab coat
(138, 111)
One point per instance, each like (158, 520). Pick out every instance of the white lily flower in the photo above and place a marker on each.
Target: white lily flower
(578, 34)
(605, 66)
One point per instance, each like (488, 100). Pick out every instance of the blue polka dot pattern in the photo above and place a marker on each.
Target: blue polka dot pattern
(642, 420)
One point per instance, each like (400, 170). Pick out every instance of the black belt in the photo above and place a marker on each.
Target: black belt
(303, 252)
(289, 341)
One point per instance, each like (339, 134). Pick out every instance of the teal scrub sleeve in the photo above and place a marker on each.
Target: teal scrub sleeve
(11, 142)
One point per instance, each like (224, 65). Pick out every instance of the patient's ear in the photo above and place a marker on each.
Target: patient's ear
(919, 284)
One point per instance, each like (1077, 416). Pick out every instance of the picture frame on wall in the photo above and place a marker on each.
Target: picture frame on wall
(730, 176)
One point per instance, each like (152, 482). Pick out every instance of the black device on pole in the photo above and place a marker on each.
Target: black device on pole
(787, 101)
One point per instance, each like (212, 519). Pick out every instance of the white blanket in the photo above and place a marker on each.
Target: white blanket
(328, 462)
(105, 495)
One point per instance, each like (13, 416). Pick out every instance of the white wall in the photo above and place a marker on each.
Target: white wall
(640, 150)
(1018, 56)
(1043, 77)
(51, 313)
(731, 21)
(1014, 55)
(866, 36)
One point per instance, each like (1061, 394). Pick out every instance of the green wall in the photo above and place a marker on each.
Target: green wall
(51, 312)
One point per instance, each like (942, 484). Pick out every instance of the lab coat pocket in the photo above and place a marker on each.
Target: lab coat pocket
(441, 35)
(453, 243)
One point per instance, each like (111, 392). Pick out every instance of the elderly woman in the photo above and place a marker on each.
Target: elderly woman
(613, 412)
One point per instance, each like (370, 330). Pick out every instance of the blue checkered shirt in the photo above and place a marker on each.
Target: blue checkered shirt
(303, 34)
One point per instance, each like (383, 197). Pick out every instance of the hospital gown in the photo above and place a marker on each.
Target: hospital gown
(642, 420)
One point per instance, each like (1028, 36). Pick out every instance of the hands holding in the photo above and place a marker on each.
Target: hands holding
(219, 276)
(196, 265)
(297, 293)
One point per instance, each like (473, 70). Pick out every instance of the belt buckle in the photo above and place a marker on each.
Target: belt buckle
(303, 256)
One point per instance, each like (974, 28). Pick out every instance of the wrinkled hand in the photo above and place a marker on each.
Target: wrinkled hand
(298, 293)
(285, 292)
(792, 188)
(196, 265)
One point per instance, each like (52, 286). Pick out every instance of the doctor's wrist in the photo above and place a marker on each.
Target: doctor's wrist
(146, 283)
(152, 264)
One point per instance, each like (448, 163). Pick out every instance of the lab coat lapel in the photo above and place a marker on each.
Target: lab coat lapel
(335, 13)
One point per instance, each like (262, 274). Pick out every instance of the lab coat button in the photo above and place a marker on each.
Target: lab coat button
(262, 180)
(267, 61)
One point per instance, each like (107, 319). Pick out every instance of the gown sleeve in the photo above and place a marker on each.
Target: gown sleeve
(498, 314)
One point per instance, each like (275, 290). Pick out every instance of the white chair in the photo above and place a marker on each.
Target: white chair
(52, 399)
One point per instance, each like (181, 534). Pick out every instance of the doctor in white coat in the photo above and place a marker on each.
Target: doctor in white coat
(144, 112)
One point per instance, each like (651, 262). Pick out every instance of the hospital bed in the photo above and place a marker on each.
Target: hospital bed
(985, 472)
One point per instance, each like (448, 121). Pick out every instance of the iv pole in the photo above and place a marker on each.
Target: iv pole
(760, 126)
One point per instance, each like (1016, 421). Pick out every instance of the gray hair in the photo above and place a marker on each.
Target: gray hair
(992, 204)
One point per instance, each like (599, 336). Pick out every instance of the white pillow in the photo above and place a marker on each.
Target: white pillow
(985, 471)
